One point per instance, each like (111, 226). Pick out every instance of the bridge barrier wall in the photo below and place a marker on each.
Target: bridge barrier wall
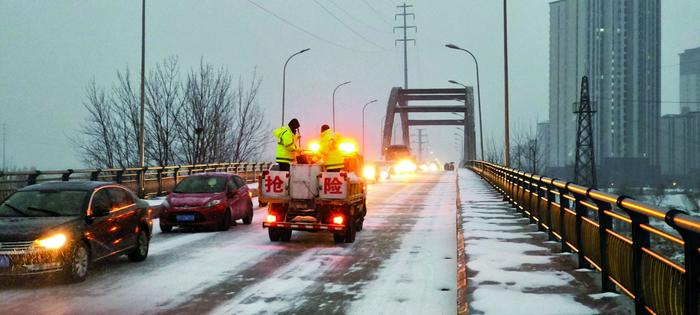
(650, 254)
(158, 180)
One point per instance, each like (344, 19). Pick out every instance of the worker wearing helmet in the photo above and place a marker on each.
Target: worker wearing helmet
(332, 157)
(287, 138)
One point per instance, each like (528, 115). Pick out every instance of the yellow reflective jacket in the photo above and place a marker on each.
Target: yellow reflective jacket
(329, 150)
(286, 147)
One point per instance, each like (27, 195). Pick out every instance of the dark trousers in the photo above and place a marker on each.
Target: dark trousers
(283, 166)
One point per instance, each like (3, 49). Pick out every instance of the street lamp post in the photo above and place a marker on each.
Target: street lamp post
(478, 93)
(363, 125)
(336, 88)
(142, 141)
(284, 77)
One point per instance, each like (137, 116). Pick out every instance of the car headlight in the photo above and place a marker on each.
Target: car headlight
(213, 203)
(52, 242)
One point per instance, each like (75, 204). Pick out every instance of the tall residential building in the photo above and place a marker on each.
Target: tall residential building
(543, 146)
(690, 80)
(680, 147)
(568, 47)
(617, 44)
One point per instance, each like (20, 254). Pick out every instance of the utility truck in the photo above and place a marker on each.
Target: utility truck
(307, 198)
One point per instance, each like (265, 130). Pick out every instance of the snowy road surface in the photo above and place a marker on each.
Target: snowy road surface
(403, 262)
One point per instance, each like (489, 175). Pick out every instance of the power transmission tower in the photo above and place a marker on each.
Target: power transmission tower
(405, 39)
(420, 143)
(584, 169)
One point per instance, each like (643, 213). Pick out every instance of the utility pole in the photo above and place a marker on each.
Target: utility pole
(505, 67)
(420, 143)
(142, 147)
(584, 169)
(405, 39)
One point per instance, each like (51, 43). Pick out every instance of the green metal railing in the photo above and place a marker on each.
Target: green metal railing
(158, 180)
(650, 254)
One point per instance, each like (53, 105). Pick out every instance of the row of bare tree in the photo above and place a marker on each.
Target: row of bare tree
(526, 153)
(201, 117)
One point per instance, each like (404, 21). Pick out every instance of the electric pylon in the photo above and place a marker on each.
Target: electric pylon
(584, 167)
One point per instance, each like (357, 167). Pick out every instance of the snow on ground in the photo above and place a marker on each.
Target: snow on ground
(421, 277)
(506, 273)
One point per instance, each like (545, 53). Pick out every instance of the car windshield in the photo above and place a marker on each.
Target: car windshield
(201, 185)
(44, 203)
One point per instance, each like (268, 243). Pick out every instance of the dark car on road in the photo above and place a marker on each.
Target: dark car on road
(207, 200)
(66, 226)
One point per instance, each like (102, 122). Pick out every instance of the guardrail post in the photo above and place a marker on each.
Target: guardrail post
(66, 176)
(159, 176)
(176, 173)
(605, 224)
(31, 179)
(564, 204)
(581, 211)
(551, 199)
(95, 175)
(692, 263)
(640, 239)
(119, 177)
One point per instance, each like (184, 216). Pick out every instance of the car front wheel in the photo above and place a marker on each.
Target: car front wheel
(248, 219)
(141, 251)
(76, 269)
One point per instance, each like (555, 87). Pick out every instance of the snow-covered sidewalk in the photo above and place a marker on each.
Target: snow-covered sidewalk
(513, 269)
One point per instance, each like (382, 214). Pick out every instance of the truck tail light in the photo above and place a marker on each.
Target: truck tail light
(338, 219)
(271, 218)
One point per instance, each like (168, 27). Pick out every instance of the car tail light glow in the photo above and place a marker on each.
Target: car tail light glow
(338, 219)
(271, 218)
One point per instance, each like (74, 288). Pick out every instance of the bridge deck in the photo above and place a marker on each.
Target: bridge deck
(513, 269)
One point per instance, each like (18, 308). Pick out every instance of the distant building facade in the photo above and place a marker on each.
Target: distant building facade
(543, 146)
(680, 148)
(690, 80)
(616, 43)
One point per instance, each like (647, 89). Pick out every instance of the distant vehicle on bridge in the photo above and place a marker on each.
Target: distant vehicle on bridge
(66, 226)
(207, 200)
(398, 161)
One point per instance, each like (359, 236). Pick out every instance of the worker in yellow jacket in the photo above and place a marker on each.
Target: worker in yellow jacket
(332, 157)
(287, 139)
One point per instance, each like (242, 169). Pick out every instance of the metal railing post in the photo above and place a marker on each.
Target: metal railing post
(581, 211)
(640, 239)
(31, 178)
(66, 176)
(551, 199)
(564, 204)
(120, 176)
(605, 224)
(692, 263)
(95, 175)
(159, 176)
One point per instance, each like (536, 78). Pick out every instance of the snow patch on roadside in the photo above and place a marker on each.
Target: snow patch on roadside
(502, 261)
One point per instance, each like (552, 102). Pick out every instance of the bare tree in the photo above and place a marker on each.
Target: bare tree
(203, 119)
(99, 129)
(494, 152)
(249, 131)
(163, 105)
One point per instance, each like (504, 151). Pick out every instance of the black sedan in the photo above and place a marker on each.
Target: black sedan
(65, 226)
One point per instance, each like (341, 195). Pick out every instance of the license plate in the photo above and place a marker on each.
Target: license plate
(185, 217)
(4, 262)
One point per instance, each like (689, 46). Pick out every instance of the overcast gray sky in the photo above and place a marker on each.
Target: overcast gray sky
(50, 50)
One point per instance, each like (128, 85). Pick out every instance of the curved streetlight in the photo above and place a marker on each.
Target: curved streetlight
(363, 125)
(336, 88)
(478, 93)
(481, 129)
(284, 77)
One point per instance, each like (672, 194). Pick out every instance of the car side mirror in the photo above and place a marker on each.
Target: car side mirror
(100, 212)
